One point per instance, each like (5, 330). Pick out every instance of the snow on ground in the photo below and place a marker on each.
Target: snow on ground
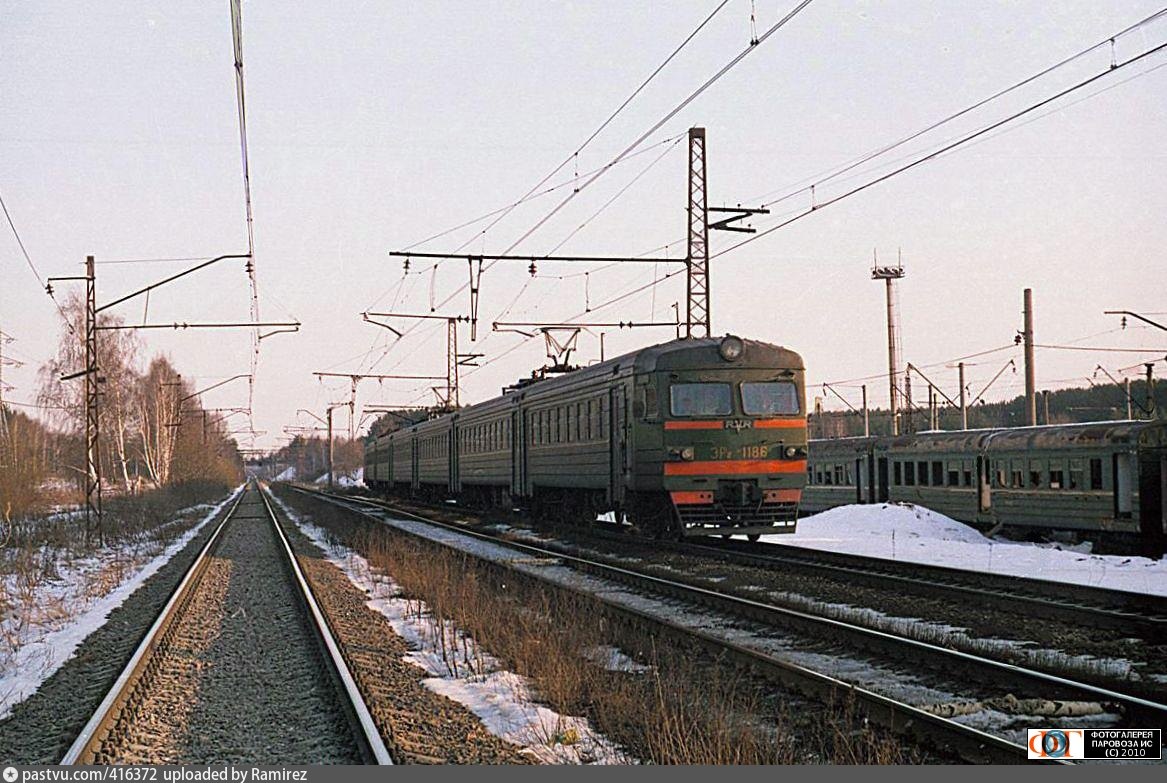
(38, 650)
(918, 535)
(501, 699)
(288, 474)
(354, 479)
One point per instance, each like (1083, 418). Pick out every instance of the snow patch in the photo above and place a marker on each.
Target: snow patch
(41, 651)
(919, 535)
(464, 673)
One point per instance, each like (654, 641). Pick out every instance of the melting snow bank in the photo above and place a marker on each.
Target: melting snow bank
(354, 479)
(918, 535)
(501, 699)
(40, 652)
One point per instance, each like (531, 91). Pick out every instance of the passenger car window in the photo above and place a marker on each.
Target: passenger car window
(770, 398)
(700, 399)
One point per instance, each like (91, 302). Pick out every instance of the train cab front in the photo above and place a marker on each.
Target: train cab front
(735, 441)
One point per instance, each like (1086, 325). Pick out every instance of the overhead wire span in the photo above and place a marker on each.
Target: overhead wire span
(241, 105)
(946, 148)
(831, 174)
(36, 273)
(635, 144)
(534, 195)
(574, 156)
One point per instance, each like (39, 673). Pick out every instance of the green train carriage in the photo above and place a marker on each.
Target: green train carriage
(690, 437)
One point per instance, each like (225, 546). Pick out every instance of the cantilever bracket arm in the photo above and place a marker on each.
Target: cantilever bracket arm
(1136, 315)
(170, 279)
(734, 215)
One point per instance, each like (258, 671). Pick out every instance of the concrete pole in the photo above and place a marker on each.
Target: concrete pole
(1030, 383)
(963, 398)
(1130, 414)
(892, 370)
(866, 417)
(330, 447)
(1045, 406)
(1151, 413)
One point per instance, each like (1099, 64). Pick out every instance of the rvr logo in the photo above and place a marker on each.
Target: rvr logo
(738, 424)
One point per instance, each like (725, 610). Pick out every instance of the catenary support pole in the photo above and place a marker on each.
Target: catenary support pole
(963, 398)
(1027, 338)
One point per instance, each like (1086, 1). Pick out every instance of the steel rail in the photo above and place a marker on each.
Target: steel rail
(364, 719)
(1061, 601)
(83, 747)
(872, 640)
(900, 717)
(86, 745)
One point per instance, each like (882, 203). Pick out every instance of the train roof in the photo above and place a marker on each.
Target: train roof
(674, 355)
(1049, 436)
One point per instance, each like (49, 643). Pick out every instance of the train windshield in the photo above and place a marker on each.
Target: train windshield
(770, 398)
(700, 399)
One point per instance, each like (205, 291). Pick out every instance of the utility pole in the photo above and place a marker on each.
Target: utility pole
(697, 323)
(355, 378)
(697, 291)
(1027, 338)
(1045, 406)
(963, 397)
(889, 274)
(1130, 414)
(452, 397)
(866, 416)
(908, 406)
(1150, 389)
(331, 408)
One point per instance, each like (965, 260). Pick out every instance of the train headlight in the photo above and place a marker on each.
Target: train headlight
(685, 454)
(791, 452)
(731, 348)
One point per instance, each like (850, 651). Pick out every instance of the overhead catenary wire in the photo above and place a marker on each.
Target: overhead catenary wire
(669, 115)
(574, 156)
(36, 273)
(846, 167)
(946, 148)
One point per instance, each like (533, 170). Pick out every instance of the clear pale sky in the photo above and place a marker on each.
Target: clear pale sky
(374, 125)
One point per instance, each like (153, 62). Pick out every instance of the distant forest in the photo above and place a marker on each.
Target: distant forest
(1066, 406)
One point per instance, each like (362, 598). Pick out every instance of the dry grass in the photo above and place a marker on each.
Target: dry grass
(35, 552)
(684, 708)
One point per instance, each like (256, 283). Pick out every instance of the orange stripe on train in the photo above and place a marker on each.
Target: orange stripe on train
(694, 425)
(760, 424)
(780, 424)
(734, 467)
(705, 497)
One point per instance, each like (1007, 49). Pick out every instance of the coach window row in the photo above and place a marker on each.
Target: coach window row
(432, 447)
(574, 422)
(486, 437)
(1075, 473)
(934, 473)
(830, 475)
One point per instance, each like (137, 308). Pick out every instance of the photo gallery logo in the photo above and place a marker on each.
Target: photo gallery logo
(1055, 744)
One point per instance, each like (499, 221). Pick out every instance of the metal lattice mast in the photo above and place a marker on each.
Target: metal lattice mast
(697, 312)
(452, 397)
(92, 453)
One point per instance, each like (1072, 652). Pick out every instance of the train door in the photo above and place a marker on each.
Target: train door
(453, 480)
(1152, 491)
(518, 455)
(869, 463)
(984, 491)
(1121, 470)
(414, 476)
(883, 480)
(858, 479)
(617, 443)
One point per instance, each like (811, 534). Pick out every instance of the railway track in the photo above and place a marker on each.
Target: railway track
(1135, 614)
(239, 666)
(919, 721)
